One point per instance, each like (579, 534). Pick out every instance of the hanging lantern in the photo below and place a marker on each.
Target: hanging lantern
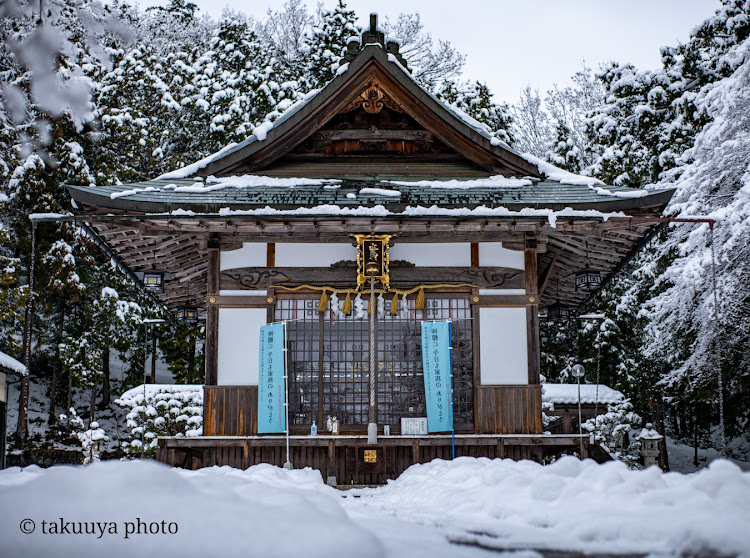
(559, 311)
(187, 314)
(153, 280)
(587, 279)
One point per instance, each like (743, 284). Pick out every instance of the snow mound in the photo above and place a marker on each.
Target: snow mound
(562, 394)
(576, 506)
(264, 511)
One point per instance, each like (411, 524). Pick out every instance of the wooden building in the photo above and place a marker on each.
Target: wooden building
(261, 232)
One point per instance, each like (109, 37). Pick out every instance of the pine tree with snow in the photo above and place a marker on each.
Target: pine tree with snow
(475, 99)
(328, 42)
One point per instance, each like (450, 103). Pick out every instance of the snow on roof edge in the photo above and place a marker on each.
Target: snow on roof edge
(9, 363)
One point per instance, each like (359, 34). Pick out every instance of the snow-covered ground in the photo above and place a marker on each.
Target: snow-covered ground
(467, 507)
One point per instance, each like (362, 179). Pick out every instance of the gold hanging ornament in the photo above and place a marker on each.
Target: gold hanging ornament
(373, 261)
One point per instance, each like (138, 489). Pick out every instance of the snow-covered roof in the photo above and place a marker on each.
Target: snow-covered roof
(564, 394)
(9, 363)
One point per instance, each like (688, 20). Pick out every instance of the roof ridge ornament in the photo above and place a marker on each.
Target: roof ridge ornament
(373, 36)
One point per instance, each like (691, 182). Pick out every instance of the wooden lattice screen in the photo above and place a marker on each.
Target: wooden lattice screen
(338, 345)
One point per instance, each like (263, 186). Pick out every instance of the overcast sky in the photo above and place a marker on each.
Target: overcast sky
(511, 43)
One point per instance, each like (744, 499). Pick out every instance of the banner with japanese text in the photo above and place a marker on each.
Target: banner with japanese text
(436, 365)
(271, 392)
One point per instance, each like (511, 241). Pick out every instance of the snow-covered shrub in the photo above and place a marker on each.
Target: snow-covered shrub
(90, 437)
(168, 410)
(615, 428)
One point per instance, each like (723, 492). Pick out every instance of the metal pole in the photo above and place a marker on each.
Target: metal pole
(450, 379)
(722, 431)
(288, 464)
(372, 426)
(580, 426)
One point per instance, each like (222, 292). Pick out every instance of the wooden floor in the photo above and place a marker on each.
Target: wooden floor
(350, 459)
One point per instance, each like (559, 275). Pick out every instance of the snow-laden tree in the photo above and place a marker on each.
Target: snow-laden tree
(238, 83)
(327, 43)
(475, 99)
(532, 129)
(683, 328)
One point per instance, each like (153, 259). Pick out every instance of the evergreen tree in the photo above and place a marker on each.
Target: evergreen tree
(328, 43)
(475, 99)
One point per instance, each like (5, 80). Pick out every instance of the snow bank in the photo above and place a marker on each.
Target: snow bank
(562, 394)
(264, 511)
(575, 506)
(7, 361)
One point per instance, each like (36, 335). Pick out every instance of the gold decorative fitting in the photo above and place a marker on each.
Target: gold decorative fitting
(531, 299)
(371, 456)
(269, 300)
(475, 299)
(212, 300)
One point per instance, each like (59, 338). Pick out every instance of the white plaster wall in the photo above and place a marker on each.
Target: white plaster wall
(492, 254)
(502, 291)
(502, 342)
(313, 254)
(227, 292)
(446, 254)
(239, 338)
(252, 254)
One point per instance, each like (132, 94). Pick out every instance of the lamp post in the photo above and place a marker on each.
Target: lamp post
(578, 374)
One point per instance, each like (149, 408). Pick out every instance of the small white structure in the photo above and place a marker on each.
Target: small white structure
(650, 440)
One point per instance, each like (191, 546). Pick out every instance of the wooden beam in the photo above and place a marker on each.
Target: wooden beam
(344, 277)
(546, 275)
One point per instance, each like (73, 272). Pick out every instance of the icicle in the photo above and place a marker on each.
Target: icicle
(347, 309)
(323, 301)
(420, 300)
(381, 307)
(394, 305)
(335, 309)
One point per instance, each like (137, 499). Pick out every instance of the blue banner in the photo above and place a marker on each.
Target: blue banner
(271, 392)
(437, 368)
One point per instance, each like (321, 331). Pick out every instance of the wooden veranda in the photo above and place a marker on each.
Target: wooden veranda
(343, 458)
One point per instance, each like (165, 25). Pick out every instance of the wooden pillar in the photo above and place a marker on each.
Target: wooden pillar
(212, 312)
(532, 310)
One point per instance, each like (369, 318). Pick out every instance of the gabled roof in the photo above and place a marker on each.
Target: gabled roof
(462, 133)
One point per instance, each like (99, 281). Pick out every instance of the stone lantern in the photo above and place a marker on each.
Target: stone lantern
(650, 440)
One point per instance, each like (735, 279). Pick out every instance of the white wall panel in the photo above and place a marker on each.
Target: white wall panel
(252, 254)
(445, 254)
(492, 254)
(313, 254)
(502, 342)
(239, 337)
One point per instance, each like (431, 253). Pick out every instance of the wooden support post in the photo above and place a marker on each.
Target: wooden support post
(246, 454)
(331, 460)
(415, 451)
(500, 448)
(532, 310)
(212, 312)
